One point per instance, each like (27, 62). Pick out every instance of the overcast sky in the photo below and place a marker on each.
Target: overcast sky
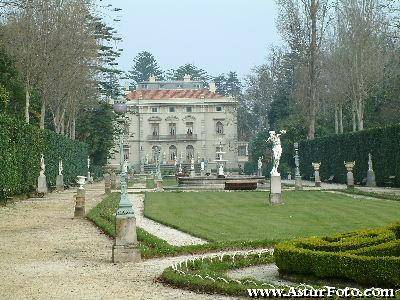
(216, 35)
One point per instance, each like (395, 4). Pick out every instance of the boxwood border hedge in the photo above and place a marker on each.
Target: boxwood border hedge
(350, 256)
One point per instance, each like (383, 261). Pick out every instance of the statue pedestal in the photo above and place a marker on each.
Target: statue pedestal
(80, 204)
(371, 178)
(159, 185)
(125, 248)
(317, 179)
(42, 184)
(298, 184)
(350, 180)
(202, 173)
(60, 183)
(192, 173)
(275, 196)
(259, 173)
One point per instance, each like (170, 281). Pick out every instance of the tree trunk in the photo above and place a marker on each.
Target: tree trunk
(313, 50)
(42, 115)
(341, 118)
(336, 120)
(353, 112)
(27, 104)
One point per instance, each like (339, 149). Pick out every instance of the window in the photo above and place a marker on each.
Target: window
(188, 109)
(242, 151)
(219, 127)
(144, 86)
(172, 109)
(218, 108)
(179, 86)
(172, 152)
(172, 129)
(155, 129)
(189, 153)
(126, 152)
(217, 150)
(189, 128)
(154, 109)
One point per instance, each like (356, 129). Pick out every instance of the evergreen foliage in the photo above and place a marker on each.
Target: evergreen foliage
(21, 146)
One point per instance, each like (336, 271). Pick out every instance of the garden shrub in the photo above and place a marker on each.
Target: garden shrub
(21, 146)
(383, 143)
(365, 256)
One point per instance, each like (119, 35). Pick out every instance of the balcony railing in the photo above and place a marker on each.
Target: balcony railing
(176, 137)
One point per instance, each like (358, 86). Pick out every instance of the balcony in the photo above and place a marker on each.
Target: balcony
(168, 137)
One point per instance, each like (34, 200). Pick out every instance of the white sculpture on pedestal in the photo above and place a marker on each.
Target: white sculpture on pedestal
(275, 138)
(192, 163)
(259, 163)
(202, 165)
(60, 167)
(42, 165)
(146, 160)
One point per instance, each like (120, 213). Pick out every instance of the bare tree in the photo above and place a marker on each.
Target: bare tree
(303, 23)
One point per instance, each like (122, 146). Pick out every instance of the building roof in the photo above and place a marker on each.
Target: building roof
(172, 94)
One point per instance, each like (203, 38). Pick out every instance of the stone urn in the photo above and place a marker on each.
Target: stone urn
(317, 178)
(349, 165)
(81, 181)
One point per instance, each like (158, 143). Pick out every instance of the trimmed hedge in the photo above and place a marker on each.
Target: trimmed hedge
(383, 143)
(21, 146)
(368, 257)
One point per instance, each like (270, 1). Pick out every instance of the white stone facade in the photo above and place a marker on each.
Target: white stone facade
(187, 122)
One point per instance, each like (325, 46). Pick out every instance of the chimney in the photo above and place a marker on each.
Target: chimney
(152, 78)
(186, 78)
(213, 87)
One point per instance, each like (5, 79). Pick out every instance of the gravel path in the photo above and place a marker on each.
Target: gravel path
(172, 236)
(46, 254)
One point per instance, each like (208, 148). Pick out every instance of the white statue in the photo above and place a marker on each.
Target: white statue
(192, 163)
(125, 167)
(146, 159)
(42, 165)
(259, 165)
(370, 162)
(60, 167)
(221, 170)
(275, 138)
(164, 156)
(176, 161)
(88, 162)
(202, 165)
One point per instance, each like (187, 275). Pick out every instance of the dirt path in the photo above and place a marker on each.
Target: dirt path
(46, 254)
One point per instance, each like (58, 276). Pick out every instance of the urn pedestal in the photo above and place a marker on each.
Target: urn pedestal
(107, 183)
(80, 204)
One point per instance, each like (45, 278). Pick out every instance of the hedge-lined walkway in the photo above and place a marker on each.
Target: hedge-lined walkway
(45, 254)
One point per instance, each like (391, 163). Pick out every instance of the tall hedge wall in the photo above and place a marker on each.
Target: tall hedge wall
(20, 148)
(383, 143)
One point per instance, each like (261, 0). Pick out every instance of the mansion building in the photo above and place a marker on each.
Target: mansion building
(185, 120)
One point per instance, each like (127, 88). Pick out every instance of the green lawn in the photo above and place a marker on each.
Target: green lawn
(218, 216)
